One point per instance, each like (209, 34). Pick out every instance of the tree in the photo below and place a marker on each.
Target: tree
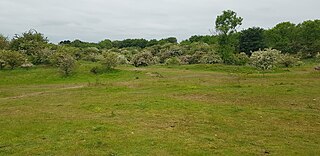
(105, 44)
(228, 22)
(309, 36)
(252, 39)
(226, 26)
(282, 37)
(30, 43)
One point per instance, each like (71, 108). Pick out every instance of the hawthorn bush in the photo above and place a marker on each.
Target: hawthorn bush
(266, 59)
(11, 58)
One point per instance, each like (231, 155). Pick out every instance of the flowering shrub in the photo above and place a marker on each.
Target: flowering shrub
(11, 58)
(265, 60)
(288, 60)
(173, 61)
(143, 59)
(211, 58)
(26, 65)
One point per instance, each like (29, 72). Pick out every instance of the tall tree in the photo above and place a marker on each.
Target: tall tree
(282, 37)
(252, 39)
(226, 26)
(309, 36)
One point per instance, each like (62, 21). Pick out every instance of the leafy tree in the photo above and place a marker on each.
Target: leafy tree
(11, 58)
(252, 39)
(226, 25)
(282, 37)
(105, 44)
(205, 39)
(309, 36)
(30, 43)
(228, 22)
(65, 42)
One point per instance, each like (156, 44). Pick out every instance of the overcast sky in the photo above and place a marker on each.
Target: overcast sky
(95, 20)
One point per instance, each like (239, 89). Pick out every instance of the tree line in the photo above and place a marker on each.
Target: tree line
(283, 44)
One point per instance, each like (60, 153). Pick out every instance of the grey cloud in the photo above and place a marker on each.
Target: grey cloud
(94, 20)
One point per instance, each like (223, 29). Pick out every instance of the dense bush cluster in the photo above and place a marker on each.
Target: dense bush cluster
(287, 43)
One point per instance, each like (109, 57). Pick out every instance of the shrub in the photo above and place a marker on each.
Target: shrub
(265, 60)
(2, 63)
(241, 59)
(11, 58)
(171, 51)
(89, 54)
(185, 59)
(42, 56)
(196, 57)
(110, 60)
(95, 70)
(122, 59)
(65, 62)
(288, 60)
(143, 59)
(26, 65)
(211, 58)
(173, 61)
(318, 57)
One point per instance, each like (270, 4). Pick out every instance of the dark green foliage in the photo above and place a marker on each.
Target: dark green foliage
(309, 36)
(141, 43)
(205, 39)
(251, 40)
(283, 37)
(105, 44)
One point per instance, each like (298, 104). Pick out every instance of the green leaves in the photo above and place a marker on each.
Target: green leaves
(227, 22)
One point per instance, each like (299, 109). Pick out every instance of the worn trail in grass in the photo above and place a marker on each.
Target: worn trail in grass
(183, 110)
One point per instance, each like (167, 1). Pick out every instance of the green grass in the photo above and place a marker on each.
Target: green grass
(160, 110)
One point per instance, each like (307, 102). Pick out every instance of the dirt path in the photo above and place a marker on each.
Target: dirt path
(44, 92)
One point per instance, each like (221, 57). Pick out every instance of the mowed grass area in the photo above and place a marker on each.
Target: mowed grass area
(160, 110)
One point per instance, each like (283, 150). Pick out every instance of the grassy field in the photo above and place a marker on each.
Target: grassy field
(160, 110)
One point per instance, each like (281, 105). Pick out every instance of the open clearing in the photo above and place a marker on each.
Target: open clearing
(160, 110)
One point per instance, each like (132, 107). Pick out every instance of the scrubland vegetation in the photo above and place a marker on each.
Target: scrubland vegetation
(251, 92)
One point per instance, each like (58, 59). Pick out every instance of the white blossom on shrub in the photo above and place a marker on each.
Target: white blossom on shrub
(143, 59)
(27, 65)
(265, 60)
(211, 58)
(288, 60)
